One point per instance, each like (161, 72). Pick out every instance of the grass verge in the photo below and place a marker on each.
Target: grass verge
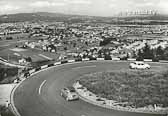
(136, 88)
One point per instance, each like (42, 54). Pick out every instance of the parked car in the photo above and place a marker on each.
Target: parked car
(139, 65)
(69, 94)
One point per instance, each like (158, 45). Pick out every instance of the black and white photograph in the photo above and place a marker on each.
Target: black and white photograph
(83, 57)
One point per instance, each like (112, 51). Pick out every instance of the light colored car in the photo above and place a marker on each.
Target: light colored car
(69, 94)
(139, 65)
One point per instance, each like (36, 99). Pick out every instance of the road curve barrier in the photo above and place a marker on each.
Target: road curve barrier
(45, 66)
(148, 60)
(35, 70)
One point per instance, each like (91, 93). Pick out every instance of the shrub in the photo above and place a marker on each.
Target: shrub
(5, 111)
(7, 74)
(155, 60)
(9, 38)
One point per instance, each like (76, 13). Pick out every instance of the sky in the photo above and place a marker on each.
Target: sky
(82, 7)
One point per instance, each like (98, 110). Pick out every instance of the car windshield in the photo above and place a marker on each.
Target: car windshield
(72, 90)
(141, 63)
(65, 88)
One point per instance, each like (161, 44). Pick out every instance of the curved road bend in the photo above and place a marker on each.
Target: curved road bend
(40, 94)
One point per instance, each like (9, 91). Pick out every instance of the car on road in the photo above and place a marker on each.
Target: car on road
(139, 65)
(69, 94)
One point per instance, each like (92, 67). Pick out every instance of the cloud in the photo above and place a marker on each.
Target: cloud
(146, 4)
(8, 7)
(163, 6)
(149, 4)
(112, 5)
(78, 1)
(90, 7)
(46, 4)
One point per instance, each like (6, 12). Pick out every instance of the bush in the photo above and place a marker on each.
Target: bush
(139, 59)
(155, 60)
(5, 111)
(78, 59)
(29, 59)
(91, 58)
(7, 74)
(9, 38)
(107, 57)
(124, 58)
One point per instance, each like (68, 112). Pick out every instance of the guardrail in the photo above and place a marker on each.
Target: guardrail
(33, 71)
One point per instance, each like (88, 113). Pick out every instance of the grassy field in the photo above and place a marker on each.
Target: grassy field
(7, 51)
(135, 88)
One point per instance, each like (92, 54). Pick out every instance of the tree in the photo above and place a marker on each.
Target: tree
(133, 54)
(29, 59)
(100, 54)
(147, 52)
(159, 53)
(107, 54)
(9, 38)
(106, 41)
(65, 48)
(165, 56)
(86, 43)
(140, 55)
(74, 45)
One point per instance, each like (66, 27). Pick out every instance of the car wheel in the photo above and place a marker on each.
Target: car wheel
(146, 68)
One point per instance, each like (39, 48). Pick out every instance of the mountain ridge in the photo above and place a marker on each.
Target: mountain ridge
(49, 16)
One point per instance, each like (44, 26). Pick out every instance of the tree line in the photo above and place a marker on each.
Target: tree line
(148, 53)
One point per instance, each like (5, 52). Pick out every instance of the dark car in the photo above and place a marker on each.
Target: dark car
(69, 94)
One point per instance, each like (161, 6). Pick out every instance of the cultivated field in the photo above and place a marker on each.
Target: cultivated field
(11, 51)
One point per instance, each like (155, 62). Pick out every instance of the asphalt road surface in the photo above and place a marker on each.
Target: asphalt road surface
(40, 94)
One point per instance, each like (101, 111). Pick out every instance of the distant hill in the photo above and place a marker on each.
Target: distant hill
(46, 16)
(147, 17)
(39, 16)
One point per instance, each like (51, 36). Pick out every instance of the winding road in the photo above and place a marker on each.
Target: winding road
(39, 95)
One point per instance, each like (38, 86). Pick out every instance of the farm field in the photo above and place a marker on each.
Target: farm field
(10, 51)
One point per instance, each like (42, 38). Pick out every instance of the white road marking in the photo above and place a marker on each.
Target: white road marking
(41, 86)
(84, 67)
